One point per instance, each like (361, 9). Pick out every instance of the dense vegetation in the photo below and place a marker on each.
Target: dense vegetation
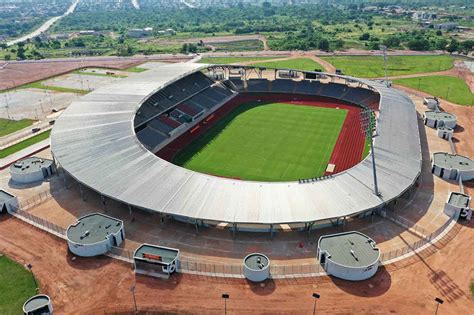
(353, 24)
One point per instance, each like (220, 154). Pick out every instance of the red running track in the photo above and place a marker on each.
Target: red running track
(347, 151)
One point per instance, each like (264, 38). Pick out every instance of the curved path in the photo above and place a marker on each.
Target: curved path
(43, 28)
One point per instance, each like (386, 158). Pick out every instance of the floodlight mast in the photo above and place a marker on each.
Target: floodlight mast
(369, 127)
(384, 50)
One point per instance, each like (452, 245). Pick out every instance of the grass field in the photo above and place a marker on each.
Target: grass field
(8, 126)
(229, 60)
(24, 144)
(16, 286)
(40, 85)
(99, 74)
(267, 142)
(297, 63)
(449, 88)
(373, 66)
(242, 45)
(135, 69)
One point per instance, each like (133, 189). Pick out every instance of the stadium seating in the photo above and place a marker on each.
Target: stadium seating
(150, 137)
(283, 86)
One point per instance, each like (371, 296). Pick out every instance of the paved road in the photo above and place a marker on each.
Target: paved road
(43, 28)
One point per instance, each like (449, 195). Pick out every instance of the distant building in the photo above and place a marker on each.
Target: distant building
(140, 32)
(168, 31)
(422, 15)
(445, 26)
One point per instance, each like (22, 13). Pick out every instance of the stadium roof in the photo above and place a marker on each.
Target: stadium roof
(351, 249)
(95, 142)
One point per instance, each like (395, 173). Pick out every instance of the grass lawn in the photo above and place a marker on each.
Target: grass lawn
(24, 144)
(297, 63)
(39, 85)
(373, 66)
(366, 149)
(229, 60)
(99, 74)
(135, 69)
(449, 88)
(267, 142)
(16, 285)
(8, 126)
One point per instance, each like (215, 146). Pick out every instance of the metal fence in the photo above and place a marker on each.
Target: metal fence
(409, 248)
(194, 266)
(38, 222)
(38, 199)
(407, 224)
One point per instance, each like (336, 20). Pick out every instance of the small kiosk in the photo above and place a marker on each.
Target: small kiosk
(452, 166)
(31, 169)
(38, 305)
(458, 205)
(445, 132)
(256, 267)
(156, 261)
(8, 202)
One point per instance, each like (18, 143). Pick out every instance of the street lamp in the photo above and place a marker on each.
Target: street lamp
(132, 289)
(316, 296)
(438, 302)
(30, 267)
(225, 296)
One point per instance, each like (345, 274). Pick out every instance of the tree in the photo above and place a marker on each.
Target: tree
(453, 46)
(21, 53)
(8, 57)
(419, 44)
(339, 44)
(364, 36)
(391, 42)
(323, 44)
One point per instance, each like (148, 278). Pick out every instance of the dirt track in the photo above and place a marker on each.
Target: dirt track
(83, 286)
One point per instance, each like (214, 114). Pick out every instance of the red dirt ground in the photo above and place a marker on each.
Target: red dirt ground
(347, 151)
(100, 285)
(17, 74)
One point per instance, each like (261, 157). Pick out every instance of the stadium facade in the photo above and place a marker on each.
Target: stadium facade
(96, 142)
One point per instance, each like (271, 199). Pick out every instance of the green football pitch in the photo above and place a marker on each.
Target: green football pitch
(267, 142)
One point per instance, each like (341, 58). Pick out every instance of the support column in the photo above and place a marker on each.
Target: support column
(83, 196)
(234, 229)
(103, 202)
(129, 209)
(271, 231)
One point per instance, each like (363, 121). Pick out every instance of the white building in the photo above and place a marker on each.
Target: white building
(38, 304)
(94, 234)
(349, 255)
(431, 102)
(445, 133)
(458, 205)
(452, 166)
(31, 169)
(140, 32)
(156, 261)
(435, 119)
(256, 267)
(8, 202)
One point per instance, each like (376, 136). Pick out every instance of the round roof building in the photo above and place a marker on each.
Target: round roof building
(437, 119)
(452, 166)
(94, 234)
(31, 169)
(38, 304)
(349, 256)
(256, 267)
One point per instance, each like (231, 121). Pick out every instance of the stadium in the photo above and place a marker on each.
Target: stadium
(192, 142)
